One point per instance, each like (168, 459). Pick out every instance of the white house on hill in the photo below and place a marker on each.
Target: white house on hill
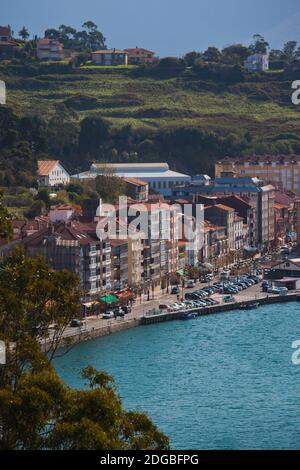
(52, 173)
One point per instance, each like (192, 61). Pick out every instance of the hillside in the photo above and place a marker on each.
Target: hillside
(209, 118)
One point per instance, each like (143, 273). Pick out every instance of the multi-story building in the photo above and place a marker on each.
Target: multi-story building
(238, 232)
(137, 189)
(52, 173)
(280, 170)
(138, 56)
(257, 63)
(110, 57)
(134, 260)
(119, 264)
(75, 247)
(49, 49)
(222, 216)
(297, 222)
(259, 196)
(215, 250)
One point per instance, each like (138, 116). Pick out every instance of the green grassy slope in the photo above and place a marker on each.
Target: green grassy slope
(123, 98)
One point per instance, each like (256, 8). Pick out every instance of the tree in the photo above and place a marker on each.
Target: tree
(191, 57)
(259, 45)
(95, 39)
(24, 34)
(36, 209)
(5, 223)
(212, 54)
(37, 410)
(93, 133)
(109, 187)
(52, 33)
(44, 195)
(290, 50)
(235, 54)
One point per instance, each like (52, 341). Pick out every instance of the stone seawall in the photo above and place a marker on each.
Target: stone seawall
(110, 328)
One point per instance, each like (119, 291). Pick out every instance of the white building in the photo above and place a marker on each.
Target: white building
(257, 63)
(159, 176)
(61, 213)
(52, 173)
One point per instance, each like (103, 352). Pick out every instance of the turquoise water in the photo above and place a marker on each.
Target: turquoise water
(217, 382)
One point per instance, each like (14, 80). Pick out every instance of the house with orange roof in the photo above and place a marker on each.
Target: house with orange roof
(52, 173)
(139, 55)
(49, 49)
(8, 46)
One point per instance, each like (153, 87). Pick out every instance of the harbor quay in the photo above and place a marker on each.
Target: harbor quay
(148, 313)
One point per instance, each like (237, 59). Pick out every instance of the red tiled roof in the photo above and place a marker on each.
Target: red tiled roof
(130, 50)
(135, 181)
(220, 206)
(45, 166)
(5, 31)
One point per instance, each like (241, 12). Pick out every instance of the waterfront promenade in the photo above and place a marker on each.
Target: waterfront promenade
(94, 327)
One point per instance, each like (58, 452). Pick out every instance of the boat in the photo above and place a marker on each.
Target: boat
(189, 316)
(252, 305)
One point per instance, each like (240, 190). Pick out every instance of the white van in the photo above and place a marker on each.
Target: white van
(190, 284)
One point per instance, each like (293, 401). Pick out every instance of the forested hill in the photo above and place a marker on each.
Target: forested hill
(187, 116)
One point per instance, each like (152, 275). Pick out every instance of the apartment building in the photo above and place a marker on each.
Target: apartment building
(215, 250)
(280, 170)
(49, 49)
(238, 232)
(137, 189)
(74, 247)
(222, 216)
(260, 197)
(119, 264)
(134, 260)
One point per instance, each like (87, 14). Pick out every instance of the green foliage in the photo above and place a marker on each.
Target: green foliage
(37, 410)
(24, 34)
(109, 187)
(36, 209)
(89, 38)
(6, 231)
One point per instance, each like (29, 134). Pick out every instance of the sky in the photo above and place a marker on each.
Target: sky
(168, 27)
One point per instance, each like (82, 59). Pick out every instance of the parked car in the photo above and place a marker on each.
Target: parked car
(228, 298)
(164, 307)
(283, 290)
(175, 306)
(108, 315)
(175, 290)
(273, 290)
(190, 284)
(76, 323)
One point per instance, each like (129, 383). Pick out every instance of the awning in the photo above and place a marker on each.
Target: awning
(109, 299)
(180, 272)
(89, 304)
(124, 294)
